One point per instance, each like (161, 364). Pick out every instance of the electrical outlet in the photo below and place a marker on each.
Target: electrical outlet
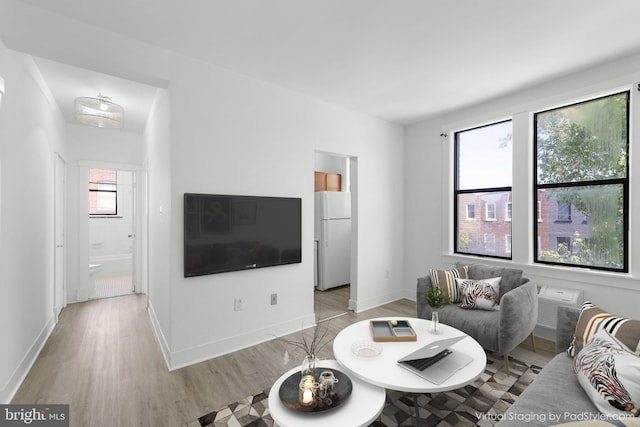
(237, 304)
(274, 299)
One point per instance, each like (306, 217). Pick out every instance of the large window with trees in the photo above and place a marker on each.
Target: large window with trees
(483, 180)
(582, 184)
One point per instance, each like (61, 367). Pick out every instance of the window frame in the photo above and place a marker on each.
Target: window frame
(100, 191)
(624, 182)
(508, 211)
(493, 211)
(489, 242)
(457, 192)
(473, 206)
(565, 209)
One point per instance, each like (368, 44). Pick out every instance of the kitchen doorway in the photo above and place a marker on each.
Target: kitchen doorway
(335, 230)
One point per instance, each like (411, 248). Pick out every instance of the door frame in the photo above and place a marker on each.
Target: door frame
(139, 197)
(350, 182)
(59, 235)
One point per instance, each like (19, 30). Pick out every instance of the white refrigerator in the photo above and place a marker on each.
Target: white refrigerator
(333, 234)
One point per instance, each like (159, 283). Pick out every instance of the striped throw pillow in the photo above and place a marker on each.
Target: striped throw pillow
(592, 318)
(446, 281)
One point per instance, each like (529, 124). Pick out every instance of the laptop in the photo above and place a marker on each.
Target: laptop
(435, 362)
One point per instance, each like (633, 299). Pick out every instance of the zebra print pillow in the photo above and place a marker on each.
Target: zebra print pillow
(592, 318)
(479, 294)
(610, 375)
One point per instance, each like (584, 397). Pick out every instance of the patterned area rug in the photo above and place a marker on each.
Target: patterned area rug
(481, 403)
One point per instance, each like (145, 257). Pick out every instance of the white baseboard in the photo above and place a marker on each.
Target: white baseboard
(157, 330)
(82, 294)
(366, 304)
(190, 356)
(19, 374)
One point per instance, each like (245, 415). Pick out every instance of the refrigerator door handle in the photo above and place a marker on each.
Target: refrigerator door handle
(325, 236)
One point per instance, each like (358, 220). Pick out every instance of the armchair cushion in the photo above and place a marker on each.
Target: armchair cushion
(479, 294)
(481, 325)
(511, 277)
(446, 281)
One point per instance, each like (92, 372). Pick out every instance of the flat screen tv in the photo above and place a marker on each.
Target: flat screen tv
(229, 233)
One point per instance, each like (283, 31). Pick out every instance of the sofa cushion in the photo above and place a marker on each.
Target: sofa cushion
(445, 280)
(592, 318)
(479, 294)
(610, 375)
(511, 277)
(554, 397)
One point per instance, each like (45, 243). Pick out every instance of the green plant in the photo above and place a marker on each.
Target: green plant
(435, 297)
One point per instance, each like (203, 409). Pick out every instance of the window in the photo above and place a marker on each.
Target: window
(471, 211)
(508, 211)
(507, 243)
(103, 184)
(479, 182)
(490, 214)
(490, 242)
(581, 155)
(563, 245)
(564, 211)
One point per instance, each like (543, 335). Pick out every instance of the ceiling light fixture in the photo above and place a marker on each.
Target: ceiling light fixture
(99, 112)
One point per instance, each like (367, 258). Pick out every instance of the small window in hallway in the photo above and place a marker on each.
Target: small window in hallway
(103, 184)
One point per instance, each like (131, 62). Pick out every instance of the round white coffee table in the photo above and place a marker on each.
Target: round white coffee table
(361, 408)
(384, 371)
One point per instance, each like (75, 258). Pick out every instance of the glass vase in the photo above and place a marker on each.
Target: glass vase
(435, 323)
(309, 363)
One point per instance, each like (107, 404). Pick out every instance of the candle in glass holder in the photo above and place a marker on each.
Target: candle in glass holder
(307, 396)
(307, 390)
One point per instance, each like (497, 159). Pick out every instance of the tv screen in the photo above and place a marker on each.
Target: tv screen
(228, 233)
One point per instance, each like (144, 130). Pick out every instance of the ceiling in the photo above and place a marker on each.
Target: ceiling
(399, 60)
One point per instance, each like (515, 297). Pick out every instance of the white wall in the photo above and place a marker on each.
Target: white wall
(157, 142)
(31, 131)
(428, 186)
(231, 134)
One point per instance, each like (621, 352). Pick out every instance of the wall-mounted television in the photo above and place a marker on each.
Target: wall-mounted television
(225, 233)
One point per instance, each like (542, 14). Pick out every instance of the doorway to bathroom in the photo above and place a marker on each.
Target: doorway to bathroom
(111, 232)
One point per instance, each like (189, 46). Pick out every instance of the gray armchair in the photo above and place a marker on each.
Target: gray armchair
(501, 330)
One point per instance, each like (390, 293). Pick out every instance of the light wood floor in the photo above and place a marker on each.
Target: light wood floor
(102, 359)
